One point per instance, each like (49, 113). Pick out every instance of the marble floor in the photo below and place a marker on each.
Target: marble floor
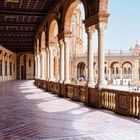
(29, 113)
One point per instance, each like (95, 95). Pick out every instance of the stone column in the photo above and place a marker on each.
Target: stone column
(67, 60)
(40, 77)
(61, 45)
(43, 53)
(90, 78)
(51, 62)
(48, 65)
(3, 67)
(38, 66)
(121, 76)
(35, 66)
(8, 69)
(101, 55)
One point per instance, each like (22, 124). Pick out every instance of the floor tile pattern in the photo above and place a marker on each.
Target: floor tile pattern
(29, 113)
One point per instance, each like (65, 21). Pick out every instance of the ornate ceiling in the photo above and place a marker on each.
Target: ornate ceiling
(19, 21)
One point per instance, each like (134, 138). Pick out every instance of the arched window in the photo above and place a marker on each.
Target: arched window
(117, 70)
(10, 68)
(125, 71)
(5, 67)
(113, 71)
(129, 70)
(105, 70)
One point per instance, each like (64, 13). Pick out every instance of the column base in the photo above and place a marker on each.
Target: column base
(51, 80)
(67, 82)
(61, 81)
(90, 84)
(102, 84)
(42, 78)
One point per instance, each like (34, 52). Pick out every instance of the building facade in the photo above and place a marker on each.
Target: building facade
(16, 65)
(120, 67)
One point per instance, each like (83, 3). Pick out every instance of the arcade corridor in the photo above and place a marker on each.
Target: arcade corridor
(29, 113)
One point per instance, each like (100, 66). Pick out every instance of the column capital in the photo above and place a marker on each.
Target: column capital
(90, 29)
(67, 34)
(38, 53)
(43, 50)
(50, 43)
(61, 42)
(101, 26)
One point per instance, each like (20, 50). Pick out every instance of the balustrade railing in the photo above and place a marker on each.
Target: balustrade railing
(135, 104)
(108, 99)
(121, 102)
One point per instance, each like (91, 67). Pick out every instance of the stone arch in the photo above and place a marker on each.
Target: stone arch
(53, 45)
(53, 30)
(126, 62)
(69, 11)
(43, 39)
(127, 68)
(113, 63)
(22, 59)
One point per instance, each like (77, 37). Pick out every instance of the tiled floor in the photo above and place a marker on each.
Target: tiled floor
(28, 113)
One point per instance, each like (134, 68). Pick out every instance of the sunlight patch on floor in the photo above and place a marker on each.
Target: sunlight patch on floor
(36, 96)
(57, 106)
(80, 111)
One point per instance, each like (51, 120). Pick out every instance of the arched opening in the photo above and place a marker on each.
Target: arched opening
(54, 51)
(43, 56)
(75, 34)
(116, 78)
(43, 39)
(81, 71)
(23, 67)
(127, 73)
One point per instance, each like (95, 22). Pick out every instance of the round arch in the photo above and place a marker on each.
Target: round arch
(113, 63)
(43, 39)
(53, 45)
(53, 30)
(69, 11)
(126, 63)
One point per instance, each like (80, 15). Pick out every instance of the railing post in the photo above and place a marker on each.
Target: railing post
(122, 102)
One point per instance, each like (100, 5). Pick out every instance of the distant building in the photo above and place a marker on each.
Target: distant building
(122, 67)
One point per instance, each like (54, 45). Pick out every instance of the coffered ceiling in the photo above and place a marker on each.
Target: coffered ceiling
(19, 21)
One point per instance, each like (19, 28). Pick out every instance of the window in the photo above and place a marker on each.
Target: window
(0, 67)
(129, 70)
(113, 71)
(125, 71)
(10, 68)
(117, 70)
(5, 67)
(29, 62)
(105, 70)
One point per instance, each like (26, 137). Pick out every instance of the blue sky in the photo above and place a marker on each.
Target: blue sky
(124, 24)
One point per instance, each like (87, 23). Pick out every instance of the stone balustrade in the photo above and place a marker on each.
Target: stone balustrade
(122, 102)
